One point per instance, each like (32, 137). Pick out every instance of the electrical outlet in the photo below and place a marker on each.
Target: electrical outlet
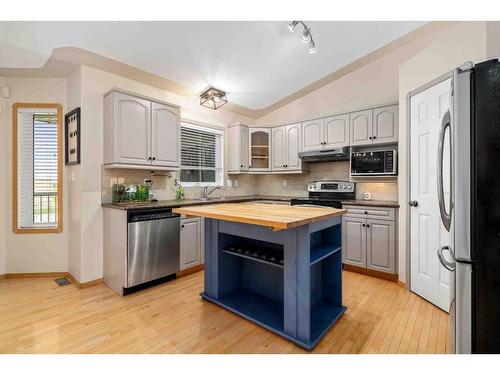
(229, 183)
(284, 183)
(235, 183)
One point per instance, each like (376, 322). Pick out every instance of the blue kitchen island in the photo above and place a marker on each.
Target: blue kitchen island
(277, 266)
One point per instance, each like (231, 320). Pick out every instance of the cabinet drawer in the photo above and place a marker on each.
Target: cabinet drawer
(371, 212)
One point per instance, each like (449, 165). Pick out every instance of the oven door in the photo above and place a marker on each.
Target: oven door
(365, 163)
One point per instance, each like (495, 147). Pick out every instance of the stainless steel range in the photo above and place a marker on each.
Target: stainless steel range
(328, 193)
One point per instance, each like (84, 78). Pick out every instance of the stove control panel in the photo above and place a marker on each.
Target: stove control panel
(331, 187)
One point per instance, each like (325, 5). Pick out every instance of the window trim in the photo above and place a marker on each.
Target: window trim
(213, 129)
(15, 224)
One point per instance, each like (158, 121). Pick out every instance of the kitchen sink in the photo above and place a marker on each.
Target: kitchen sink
(210, 199)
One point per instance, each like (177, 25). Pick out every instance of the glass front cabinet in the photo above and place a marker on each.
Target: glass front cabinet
(260, 141)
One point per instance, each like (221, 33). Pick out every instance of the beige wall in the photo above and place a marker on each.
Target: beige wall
(29, 252)
(87, 182)
(455, 45)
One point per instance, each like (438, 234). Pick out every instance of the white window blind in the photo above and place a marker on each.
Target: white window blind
(201, 155)
(37, 169)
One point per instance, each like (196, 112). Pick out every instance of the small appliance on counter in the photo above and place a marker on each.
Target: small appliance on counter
(328, 193)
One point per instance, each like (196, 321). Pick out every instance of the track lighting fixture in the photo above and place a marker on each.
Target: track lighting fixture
(306, 35)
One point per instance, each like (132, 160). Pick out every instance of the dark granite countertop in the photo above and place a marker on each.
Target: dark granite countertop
(361, 202)
(193, 202)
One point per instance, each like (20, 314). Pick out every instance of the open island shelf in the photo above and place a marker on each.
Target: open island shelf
(288, 281)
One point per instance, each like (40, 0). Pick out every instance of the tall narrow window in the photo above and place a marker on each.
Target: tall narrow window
(201, 155)
(37, 168)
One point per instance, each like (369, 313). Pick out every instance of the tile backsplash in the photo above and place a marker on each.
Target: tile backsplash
(164, 185)
(267, 184)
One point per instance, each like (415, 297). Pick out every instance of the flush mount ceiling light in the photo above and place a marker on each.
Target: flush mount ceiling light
(213, 98)
(306, 35)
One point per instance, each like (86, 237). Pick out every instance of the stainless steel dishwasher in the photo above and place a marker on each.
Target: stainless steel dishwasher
(153, 245)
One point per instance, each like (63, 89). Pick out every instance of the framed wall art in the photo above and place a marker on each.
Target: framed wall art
(72, 137)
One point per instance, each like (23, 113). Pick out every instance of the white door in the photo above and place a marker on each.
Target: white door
(337, 131)
(278, 148)
(313, 135)
(361, 128)
(292, 147)
(166, 135)
(429, 278)
(385, 124)
(132, 130)
(190, 243)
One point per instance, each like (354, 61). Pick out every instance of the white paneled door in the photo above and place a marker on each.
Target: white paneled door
(429, 278)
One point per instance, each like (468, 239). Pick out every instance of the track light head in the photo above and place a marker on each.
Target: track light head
(305, 35)
(312, 47)
(292, 25)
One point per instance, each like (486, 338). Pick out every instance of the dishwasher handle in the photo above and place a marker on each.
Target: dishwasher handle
(150, 215)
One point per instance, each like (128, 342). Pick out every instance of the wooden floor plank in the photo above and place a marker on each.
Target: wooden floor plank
(37, 316)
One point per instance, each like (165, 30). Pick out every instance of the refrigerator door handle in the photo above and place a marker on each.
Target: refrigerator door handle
(445, 216)
(450, 266)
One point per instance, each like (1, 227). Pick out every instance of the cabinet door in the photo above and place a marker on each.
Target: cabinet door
(361, 127)
(354, 241)
(385, 124)
(165, 135)
(313, 135)
(260, 141)
(132, 129)
(233, 149)
(190, 243)
(243, 144)
(380, 245)
(337, 131)
(278, 148)
(292, 147)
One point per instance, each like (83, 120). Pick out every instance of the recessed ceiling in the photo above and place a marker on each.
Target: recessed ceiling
(256, 63)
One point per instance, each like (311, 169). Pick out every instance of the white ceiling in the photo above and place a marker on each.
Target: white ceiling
(257, 63)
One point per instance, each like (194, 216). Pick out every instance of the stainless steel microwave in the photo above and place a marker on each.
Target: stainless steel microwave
(374, 163)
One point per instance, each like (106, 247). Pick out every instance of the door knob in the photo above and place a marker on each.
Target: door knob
(413, 203)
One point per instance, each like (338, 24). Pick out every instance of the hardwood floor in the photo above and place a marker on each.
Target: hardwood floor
(37, 316)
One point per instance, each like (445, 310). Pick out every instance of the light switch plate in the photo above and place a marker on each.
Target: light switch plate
(284, 183)
(235, 183)
(229, 183)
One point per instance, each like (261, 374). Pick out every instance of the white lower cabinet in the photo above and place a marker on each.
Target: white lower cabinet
(191, 247)
(368, 241)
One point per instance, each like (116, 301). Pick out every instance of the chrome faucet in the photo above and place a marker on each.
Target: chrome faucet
(207, 191)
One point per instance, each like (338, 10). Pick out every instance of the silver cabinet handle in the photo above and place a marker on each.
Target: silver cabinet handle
(445, 216)
(450, 266)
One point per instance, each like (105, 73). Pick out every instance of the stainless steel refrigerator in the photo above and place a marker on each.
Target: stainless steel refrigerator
(472, 215)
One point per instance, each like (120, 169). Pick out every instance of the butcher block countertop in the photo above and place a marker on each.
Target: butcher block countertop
(277, 217)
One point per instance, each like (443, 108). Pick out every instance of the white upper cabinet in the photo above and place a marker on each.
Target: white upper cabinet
(361, 128)
(286, 148)
(385, 124)
(336, 131)
(237, 147)
(278, 148)
(140, 133)
(165, 138)
(292, 147)
(374, 126)
(313, 135)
